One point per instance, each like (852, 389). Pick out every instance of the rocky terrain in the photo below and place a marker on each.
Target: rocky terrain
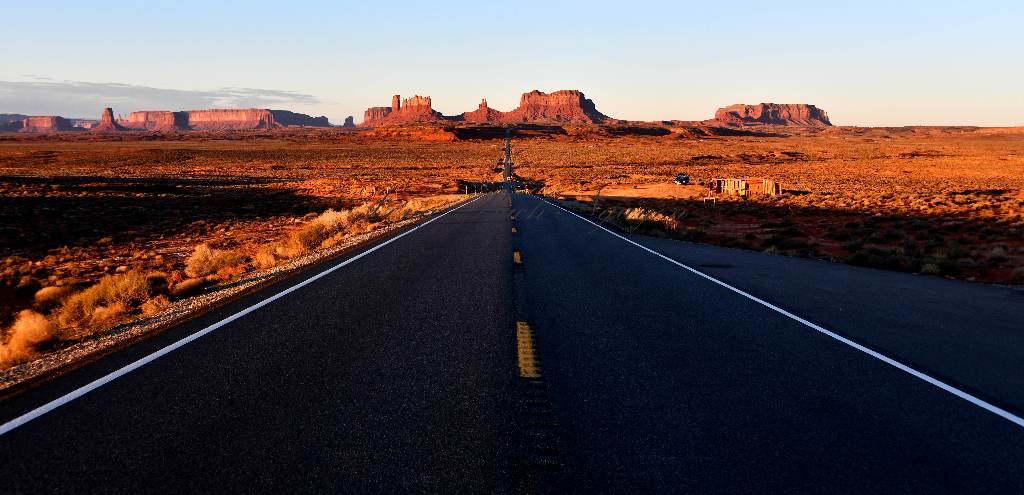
(796, 114)
(565, 106)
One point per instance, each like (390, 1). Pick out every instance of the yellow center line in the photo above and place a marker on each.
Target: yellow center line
(528, 367)
(517, 257)
(514, 230)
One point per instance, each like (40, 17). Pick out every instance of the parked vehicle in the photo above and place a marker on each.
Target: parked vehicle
(682, 179)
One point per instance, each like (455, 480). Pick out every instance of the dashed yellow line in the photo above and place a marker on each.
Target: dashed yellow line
(514, 230)
(517, 258)
(528, 366)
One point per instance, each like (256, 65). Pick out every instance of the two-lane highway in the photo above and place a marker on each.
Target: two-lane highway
(400, 370)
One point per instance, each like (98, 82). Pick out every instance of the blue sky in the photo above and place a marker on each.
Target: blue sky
(866, 63)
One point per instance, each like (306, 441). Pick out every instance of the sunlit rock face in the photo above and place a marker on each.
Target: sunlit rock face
(774, 114)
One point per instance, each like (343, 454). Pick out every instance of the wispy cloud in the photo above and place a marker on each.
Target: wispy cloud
(42, 96)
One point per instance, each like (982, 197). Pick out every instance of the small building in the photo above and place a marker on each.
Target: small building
(745, 187)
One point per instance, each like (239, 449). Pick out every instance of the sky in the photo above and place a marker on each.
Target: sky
(866, 63)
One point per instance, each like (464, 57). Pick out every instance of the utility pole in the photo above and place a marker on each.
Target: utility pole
(508, 155)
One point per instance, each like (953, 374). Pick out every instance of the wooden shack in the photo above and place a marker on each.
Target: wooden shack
(745, 187)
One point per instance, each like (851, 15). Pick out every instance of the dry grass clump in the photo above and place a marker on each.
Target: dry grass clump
(332, 225)
(50, 297)
(206, 260)
(30, 331)
(112, 294)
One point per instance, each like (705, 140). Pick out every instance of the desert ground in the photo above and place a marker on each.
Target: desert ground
(177, 214)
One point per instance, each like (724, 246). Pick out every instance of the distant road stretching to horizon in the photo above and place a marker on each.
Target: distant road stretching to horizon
(509, 346)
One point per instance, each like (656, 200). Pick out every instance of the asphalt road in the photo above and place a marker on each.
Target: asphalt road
(399, 371)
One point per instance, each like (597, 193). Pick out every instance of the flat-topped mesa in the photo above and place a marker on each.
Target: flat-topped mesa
(156, 120)
(798, 114)
(220, 120)
(231, 119)
(567, 105)
(292, 119)
(107, 122)
(415, 109)
(48, 123)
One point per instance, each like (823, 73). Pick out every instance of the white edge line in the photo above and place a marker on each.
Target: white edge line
(875, 354)
(114, 375)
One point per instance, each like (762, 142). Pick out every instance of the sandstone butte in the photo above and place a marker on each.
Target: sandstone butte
(799, 114)
(107, 122)
(565, 106)
(219, 120)
(349, 122)
(45, 124)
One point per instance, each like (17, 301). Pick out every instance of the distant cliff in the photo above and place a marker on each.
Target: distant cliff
(219, 120)
(415, 109)
(565, 106)
(774, 114)
(46, 124)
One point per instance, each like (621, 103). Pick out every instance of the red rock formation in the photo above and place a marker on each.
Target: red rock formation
(415, 109)
(46, 124)
(292, 119)
(483, 113)
(373, 115)
(567, 105)
(158, 120)
(221, 120)
(107, 122)
(774, 114)
(349, 122)
(231, 119)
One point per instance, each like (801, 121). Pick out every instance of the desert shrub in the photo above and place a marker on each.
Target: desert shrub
(333, 220)
(29, 332)
(126, 289)
(997, 255)
(931, 269)
(155, 305)
(108, 315)
(265, 257)
(48, 298)
(310, 236)
(205, 260)
(1017, 275)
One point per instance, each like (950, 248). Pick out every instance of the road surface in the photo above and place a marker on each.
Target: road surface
(400, 369)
